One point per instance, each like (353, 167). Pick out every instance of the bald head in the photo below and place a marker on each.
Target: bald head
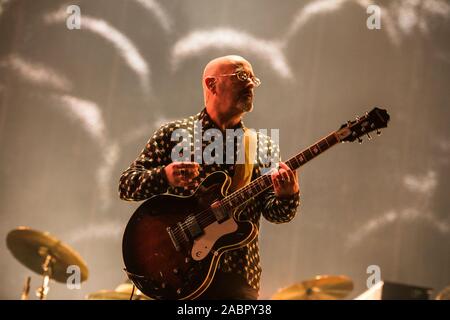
(221, 65)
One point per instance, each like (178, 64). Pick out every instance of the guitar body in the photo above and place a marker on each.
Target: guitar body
(175, 265)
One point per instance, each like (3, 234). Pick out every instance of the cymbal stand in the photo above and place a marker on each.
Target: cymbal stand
(47, 268)
(26, 289)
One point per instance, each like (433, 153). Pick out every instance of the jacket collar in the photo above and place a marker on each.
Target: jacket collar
(208, 123)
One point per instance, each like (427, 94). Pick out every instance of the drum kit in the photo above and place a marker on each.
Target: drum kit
(45, 255)
(49, 257)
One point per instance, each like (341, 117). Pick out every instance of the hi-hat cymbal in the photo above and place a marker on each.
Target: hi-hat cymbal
(323, 287)
(31, 247)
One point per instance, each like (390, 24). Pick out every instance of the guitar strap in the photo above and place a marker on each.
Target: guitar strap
(243, 171)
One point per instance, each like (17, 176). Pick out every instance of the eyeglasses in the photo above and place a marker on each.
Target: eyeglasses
(243, 76)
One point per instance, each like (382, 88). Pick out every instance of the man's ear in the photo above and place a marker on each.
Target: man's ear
(211, 84)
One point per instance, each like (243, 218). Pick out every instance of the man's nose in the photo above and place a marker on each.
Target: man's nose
(250, 84)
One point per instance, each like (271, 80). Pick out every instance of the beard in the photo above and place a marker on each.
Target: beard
(245, 104)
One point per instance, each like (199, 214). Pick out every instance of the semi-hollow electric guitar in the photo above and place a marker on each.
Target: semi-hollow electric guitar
(172, 244)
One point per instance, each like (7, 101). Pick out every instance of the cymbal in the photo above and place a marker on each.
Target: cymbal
(444, 294)
(31, 247)
(324, 287)
(122, 292)
(127, 288)
(110, 295)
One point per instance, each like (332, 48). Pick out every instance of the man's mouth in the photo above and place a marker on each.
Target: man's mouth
(247, 94)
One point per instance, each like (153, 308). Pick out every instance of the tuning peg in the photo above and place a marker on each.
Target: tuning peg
(368, 136)
(360, 140)
(378, 132)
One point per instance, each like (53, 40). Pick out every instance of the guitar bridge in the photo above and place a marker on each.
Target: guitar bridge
(174, 240)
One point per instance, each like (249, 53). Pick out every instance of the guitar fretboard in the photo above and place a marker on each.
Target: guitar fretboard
(262, 183)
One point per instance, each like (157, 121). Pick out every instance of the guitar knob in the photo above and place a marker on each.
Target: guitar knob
(175, 271)
(378, 133)
(360, 141)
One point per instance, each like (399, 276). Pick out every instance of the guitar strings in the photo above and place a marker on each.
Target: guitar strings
(203, 216)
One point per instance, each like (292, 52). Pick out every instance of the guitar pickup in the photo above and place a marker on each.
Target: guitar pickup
(219, 212)
(193, 227)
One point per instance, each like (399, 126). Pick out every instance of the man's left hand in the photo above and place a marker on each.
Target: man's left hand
(285, 181)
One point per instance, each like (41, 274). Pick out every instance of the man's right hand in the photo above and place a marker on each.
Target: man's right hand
(181, 174)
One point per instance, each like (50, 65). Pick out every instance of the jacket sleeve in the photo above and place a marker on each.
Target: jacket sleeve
(146, 177)
(274, 209)
(280, 210)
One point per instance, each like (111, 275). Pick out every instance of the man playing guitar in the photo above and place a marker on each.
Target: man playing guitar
(228, 87)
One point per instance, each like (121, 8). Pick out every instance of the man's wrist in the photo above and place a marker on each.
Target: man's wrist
(163, 174)
(288, 197)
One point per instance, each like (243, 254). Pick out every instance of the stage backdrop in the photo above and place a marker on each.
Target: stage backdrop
(78, 105)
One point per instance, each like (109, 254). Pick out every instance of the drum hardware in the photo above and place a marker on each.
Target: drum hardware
(45, 255)
(26, 289)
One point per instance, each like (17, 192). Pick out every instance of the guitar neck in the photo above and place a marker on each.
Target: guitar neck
(262, 183)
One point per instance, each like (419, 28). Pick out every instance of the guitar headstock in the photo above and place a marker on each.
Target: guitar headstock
(371, 121)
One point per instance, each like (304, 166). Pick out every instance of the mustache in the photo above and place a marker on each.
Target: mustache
(246, 92)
